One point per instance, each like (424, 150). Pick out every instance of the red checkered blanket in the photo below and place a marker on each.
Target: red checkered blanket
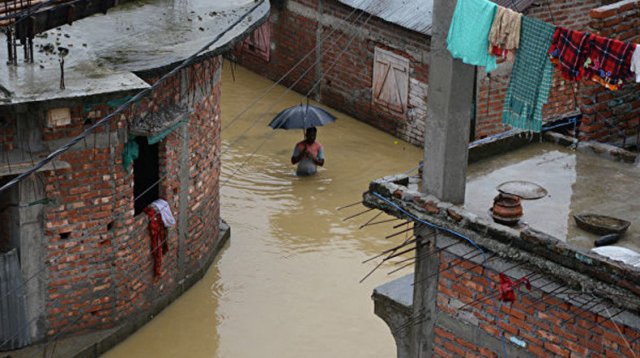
(569, 51)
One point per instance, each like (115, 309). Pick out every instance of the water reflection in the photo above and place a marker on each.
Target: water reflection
(576, 182)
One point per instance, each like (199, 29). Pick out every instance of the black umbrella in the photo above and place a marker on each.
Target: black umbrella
(302, 116)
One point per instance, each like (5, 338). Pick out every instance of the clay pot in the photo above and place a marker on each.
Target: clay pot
(507, 206)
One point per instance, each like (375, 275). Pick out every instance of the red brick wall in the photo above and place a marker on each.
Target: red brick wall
(613, 116)
(545, 323)
(293, 37)
(346, 85)
(103, 270)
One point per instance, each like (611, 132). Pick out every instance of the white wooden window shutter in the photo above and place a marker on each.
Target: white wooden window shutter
(390, 80)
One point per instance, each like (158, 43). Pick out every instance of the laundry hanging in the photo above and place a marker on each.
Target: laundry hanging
(531, 77)
(158, 234)
(504, 37)
(609, 61)
(507, 287)
(569, 52)
(161, 206)
(635, 63)
(468, 37)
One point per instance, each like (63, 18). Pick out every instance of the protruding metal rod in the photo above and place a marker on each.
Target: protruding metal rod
(405, 260)
(402, 224)
(393, 249)
(400, 268)
(392, 256)
(349, 205)
(358, 214)
(372, 271)
(398, 233)
(373, 218)
(384, 221)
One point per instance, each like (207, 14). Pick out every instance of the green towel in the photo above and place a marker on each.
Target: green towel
(468, 37)
(531, 77)
(130, 153)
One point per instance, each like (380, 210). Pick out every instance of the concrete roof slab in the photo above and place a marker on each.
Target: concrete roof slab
(137, 36)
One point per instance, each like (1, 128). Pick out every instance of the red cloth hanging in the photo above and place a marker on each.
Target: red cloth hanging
(507, 287)
(158, 234)
(569, 51)
(609, 61)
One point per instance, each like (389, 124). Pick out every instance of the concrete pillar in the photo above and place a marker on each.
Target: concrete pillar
(33, 250)
(425, 292)
(449, 114)
(184, 178)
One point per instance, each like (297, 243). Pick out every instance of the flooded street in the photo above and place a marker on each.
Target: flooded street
(287, 284)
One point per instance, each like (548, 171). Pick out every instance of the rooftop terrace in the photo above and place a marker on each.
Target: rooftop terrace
(106, 50)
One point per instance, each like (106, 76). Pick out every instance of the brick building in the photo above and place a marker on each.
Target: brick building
(74, 240)
(508, 267)
(382, 77)
(580, 303)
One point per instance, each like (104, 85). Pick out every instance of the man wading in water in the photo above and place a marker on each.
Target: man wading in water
(308, 154)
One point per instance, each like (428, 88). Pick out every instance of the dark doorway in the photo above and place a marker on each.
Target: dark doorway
(146, 175)
(8, 217)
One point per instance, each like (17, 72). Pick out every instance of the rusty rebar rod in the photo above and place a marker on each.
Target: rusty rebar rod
(358, 214)
(383, 222)
(372, 271)
(349, 205)
(370, 220)
(400, 268)
(398, 233)
(406, 242)
(402, 224)
(394, 255)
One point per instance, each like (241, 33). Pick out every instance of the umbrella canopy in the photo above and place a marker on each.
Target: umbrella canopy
(301, 117)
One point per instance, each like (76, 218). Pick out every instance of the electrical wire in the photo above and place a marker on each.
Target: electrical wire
(140, 95)
(215, 139)
(312, 88)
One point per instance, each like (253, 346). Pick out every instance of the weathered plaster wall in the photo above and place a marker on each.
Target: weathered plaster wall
(99, 266)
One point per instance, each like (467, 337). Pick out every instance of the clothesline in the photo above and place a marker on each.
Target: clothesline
(483, 33)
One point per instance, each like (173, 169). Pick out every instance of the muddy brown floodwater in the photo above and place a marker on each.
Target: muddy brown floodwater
(287, 284)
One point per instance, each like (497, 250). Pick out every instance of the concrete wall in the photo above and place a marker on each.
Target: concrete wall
(99, 267)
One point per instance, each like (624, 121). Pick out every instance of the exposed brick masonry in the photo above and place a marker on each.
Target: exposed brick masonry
(613, 116)
(100, 264)
(347, 78)
(550, 327)
(296, 29)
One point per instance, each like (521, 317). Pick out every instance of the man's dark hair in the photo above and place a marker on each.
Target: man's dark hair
(312, 130)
